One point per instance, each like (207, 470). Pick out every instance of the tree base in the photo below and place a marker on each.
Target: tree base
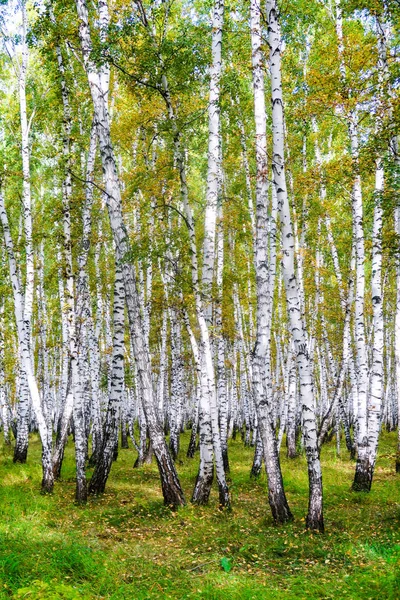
(202, 489)
(138, 462)
(171, 488)
(81, 493)
(47, 486)
(315, 515)
(315, 523)
(20, 455)
(280, 509)
(224, 500)
(362, 477)
(96, 488)
(255, 471)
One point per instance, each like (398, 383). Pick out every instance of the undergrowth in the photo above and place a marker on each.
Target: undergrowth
(127, 545)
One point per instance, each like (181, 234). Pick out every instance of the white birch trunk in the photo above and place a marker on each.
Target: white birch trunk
(261, 364)
(4, 403)
(65, 393)
(70, 308)
(213, 194)
(359, 323)
(397, 337)
(171, 488)
(208, 410)
(21, 445)
(365, 470)
(110, 434)
(315, 515)
(25, 351)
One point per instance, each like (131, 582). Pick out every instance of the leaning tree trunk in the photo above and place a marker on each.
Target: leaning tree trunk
(172, 491)
(25, 352)
(208, 410)
(260, 367)
(314, 518)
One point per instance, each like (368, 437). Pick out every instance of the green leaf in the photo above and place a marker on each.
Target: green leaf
(226, 564)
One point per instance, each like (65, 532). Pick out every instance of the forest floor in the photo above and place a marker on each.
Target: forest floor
(126, 544)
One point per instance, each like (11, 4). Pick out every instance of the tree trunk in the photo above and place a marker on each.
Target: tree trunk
(26, 359)
(172, 491)
(260, 365)
(110, 434)
(314, 518)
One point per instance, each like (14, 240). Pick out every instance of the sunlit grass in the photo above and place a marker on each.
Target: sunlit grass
(126, 544)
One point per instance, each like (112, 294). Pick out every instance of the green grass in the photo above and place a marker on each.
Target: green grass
(126, 545)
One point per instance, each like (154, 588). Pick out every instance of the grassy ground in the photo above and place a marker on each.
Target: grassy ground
(127, 545)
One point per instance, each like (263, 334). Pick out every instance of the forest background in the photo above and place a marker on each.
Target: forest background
(200, 217)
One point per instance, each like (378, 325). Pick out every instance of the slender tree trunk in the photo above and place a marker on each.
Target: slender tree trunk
(291, 403)
(48, 479)
(176, 397)
(208, 410)
(260, 366)
(110, 434)
(70, 307)
(397, 338)
(364, 473)
(4, 402)
(23, 412)
(172, 491)
(21, 445)
(66, 397)
(220, 348)
(361, 475)
(314, 518)
(213, 197)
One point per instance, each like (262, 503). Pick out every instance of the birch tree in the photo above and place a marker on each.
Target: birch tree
(169, 481)
(315, 514)
(261, 358)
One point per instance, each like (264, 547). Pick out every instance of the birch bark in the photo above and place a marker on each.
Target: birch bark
(23, 339)
(171, 488)
(314, 518)
(366, 463)
(110, 434)
(70, 306)
(260, 363)
(359, 323)
(397, 327)
(21, 444)
(213, 194)
(208, 410)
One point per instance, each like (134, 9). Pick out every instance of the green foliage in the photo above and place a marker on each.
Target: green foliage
(226, 564)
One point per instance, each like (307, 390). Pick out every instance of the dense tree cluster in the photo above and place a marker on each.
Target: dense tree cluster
(200, 222)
